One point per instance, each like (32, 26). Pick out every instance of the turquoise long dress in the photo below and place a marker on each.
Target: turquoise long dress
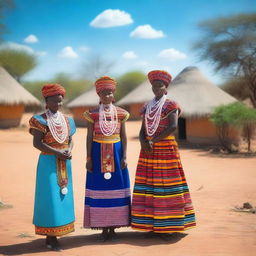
(53, 211)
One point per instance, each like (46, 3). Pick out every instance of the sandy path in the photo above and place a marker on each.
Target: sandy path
(216, 185)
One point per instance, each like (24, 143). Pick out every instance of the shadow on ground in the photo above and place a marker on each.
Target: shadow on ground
(70, 242)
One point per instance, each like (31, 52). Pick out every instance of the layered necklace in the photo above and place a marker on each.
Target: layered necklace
(108, 119)
(57, 125)
(153, 115)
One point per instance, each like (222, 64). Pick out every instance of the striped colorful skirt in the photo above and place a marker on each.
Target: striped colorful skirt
(107, 201)
(161, 200)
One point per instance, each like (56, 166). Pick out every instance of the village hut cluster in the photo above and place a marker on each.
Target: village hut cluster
(195, 94)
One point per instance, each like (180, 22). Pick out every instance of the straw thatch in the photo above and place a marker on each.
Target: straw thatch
(140, 94)
(88, 98)
(12, 93)
(79, 105)
(196, 95)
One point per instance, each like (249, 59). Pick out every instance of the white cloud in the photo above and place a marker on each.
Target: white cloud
(146, 31)
(31, 39)
(129, 55)
(68, 52)
(16, 46)
(111, 18)
(21, 47)
(172, 54)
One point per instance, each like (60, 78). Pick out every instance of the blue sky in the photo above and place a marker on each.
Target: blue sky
(135, 34)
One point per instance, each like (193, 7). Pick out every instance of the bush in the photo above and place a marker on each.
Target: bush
(236, 115)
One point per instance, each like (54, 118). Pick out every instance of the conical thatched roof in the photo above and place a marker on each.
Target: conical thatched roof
(88, 98)
(12, 93)
(195, 94)
(140, 94)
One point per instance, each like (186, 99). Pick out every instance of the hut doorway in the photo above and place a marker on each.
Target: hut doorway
(182, 129)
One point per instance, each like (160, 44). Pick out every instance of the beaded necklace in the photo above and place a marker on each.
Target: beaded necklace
(153, 115)
(108, 127)
(57, 125)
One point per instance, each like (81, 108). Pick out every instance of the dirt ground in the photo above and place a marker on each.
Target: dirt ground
(217, 184)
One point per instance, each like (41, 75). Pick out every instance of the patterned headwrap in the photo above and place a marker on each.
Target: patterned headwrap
(52, 90)
(105, 82)
(161, 75)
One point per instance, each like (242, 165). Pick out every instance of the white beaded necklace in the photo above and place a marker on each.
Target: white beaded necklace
(153, 115)
(57, 125)
(108, 127)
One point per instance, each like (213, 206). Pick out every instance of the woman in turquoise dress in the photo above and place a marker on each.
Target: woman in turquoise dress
(54, 204)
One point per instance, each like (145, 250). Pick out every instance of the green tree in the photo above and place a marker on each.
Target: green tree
(74, 87)
(127, 82)
(34, 87)
(230, 45)
(234, 115)
(237, 88)
(17, 62)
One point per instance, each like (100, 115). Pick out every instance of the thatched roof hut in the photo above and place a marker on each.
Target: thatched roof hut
(140, 94)
(197, 97)
(134, 100)
(85, 101)
(13, 99)
(195, 94)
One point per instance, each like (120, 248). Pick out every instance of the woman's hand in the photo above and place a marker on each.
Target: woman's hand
(123, 163)
(89, 165)
(146, 145)
(64, 154)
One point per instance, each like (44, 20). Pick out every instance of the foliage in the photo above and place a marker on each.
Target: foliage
(73, 87)
(17, 62)
(34, 87)
(230, 44)
(127, 82)
(237, 88)
(236, 115)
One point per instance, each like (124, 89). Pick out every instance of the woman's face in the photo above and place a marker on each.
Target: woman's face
(54, 103)
(106, 96)
(158, 88)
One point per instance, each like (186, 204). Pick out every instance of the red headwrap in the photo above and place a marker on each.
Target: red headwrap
(161, 75)
(105, 82)
(52, 90)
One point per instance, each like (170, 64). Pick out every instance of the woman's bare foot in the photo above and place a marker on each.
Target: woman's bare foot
(52, 243)
(112, 234)
(104, 234)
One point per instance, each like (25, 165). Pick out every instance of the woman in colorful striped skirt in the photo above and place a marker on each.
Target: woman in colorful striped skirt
(107, 195)
(161, 200)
